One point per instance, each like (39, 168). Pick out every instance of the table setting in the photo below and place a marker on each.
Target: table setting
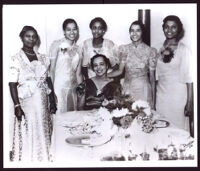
(135, 133)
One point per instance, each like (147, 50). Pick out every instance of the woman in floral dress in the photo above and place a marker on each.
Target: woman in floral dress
(30, 87)
(139, 61)
(173, 72)
(65, 68)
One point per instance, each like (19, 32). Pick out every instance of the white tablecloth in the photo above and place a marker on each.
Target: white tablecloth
(138, 142)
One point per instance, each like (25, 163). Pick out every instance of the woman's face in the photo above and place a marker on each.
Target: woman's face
(99, 66)
(71, 31)
(170, 29)
(97, 30)
(29, 39)
(136, 33)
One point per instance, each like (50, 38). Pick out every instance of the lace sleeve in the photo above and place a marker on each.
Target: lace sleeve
(122, 54)
(153, 59)
(14, 69)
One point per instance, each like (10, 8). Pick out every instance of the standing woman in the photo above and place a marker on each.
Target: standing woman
(98, 45)
(139, 61)
(174, 88)
(30, 87)
(65, 67)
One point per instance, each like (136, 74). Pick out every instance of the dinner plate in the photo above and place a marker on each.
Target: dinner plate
(87, 140)
(161, 123)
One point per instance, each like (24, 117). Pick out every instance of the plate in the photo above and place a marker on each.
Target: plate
(87, 140)
(161, 123)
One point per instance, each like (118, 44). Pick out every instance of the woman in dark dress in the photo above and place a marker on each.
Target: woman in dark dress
(92, 92)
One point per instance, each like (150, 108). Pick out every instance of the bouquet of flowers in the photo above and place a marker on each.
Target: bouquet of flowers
(139, 109)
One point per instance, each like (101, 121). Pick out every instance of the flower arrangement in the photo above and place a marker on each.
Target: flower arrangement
(123, 117)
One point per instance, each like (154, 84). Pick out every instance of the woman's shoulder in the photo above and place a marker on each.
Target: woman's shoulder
(182, 46)
(109, 42)
(87, 41)
(124, 46)
(57, 42)
(148, 48)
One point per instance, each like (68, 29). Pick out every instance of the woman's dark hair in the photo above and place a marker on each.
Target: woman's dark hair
(141, 26)
(27, 28)
(30, 28)
(101, 20)
(107, 61)
(67, 21)
(177, 20)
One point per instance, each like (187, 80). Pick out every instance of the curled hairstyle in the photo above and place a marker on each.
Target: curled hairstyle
(101, 20)
(27, 28)
(30, 28)
(139, 23)
(177, 20)
(67, 21)
(106, 60)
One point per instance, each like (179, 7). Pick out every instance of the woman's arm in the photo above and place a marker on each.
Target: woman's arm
(52, 100)
(153, 88)
(189, 104)
(80, 90)
(118, 72)
(79, 76)
(53, 59)
(14, 94)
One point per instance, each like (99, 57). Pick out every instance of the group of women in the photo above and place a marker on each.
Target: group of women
(80, 78)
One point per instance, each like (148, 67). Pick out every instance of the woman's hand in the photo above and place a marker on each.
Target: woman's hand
(53, 107)
(19, 113)
(188, 109)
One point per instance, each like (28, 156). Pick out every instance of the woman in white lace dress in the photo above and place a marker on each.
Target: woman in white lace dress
(30, 87)
(65, 67)
(173, 72)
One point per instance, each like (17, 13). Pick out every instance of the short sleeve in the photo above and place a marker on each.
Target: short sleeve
(14, 69)
(122, 54)
(53, 51)
(185, 66)
(115, 55)
(85, 56)
(153, 59)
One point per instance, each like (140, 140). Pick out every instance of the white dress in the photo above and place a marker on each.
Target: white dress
(65, 80)
(31, 138)
(172, 77)
(109, 49)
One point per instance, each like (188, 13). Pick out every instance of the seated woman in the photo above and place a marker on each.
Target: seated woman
(92, 92)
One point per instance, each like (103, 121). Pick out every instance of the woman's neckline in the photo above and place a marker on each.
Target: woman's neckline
(98, 45)
(31, 56)
(99, 88)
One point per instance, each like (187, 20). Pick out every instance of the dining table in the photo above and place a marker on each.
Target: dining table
(119, 144)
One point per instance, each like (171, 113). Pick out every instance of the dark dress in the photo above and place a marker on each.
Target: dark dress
(94, 97)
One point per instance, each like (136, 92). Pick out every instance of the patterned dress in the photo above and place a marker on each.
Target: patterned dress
(31, 138)
(65, 82)
(138, 62)
(109, 49)
(172, 77)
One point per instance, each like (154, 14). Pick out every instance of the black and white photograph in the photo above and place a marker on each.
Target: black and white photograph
(100, 85)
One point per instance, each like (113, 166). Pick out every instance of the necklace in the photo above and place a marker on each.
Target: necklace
(31, 54)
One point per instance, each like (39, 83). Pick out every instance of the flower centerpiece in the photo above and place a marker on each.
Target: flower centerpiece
(140, 110)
